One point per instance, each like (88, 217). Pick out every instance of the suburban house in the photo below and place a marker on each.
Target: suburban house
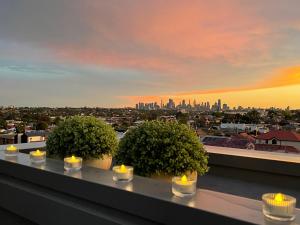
(260, 128)
(34, 136)
(10, 138)
(280, 138)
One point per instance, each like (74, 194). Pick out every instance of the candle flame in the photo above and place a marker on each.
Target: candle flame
(73, 159)
(279, 197)
(11, 148)
(37, 153)
(123, 168)
(184, 179)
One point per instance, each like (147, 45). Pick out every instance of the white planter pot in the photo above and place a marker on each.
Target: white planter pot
(164, 178)
(104, 163)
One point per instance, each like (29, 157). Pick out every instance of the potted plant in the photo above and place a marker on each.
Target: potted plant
(87, 137)
(157, 148)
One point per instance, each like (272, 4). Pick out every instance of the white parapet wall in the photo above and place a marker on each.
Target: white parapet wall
(285, 157)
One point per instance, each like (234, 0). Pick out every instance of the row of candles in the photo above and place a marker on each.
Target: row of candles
(276, 206)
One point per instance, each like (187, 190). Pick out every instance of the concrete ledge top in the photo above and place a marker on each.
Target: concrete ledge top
(277, 156)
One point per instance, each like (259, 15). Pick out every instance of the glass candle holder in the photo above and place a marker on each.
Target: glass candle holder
(279, 206)
(183, 186)
(122, 173)
(72, 163)
(37, 156)
(11, 151)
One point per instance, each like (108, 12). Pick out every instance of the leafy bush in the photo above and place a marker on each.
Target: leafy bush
(163, 148)
(86, 137)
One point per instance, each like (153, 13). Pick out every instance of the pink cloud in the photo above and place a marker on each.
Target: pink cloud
(169, 37)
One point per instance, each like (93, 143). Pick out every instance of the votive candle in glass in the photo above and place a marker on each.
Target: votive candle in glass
(11, 151)
(184, 186)
(122, 173)
(37, 156)
(279, 206)
(72, 163)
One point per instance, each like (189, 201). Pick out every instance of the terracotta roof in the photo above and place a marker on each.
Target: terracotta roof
(229, 142)
(244, 135)
(280, 135)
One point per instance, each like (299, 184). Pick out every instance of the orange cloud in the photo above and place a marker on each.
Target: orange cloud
(285, 77)
(289, 76)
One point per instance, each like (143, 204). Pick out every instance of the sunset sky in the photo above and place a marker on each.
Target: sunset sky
(111, 53)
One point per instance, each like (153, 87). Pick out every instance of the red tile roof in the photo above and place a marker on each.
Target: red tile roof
(280, 135)
(229, 142)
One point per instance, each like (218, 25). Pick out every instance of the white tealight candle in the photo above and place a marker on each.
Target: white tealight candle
(279, 206)
(122, 173)
(11, 151)
(37, 156)
(184, 186)
(72, 163)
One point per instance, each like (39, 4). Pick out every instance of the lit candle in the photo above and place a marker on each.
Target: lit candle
(279, 206)
(122, 173)
(184, 186)
(72, 163)
(37, 156)
(11, 150)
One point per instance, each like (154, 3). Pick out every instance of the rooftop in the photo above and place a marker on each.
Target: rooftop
(280, 135)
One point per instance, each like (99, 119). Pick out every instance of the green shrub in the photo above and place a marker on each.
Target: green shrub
(163, 148)
(86, 137)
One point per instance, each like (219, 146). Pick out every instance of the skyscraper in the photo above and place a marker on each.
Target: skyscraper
(219, 105)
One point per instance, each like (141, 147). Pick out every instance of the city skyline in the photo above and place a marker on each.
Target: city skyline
(114, 54)
(189, 104)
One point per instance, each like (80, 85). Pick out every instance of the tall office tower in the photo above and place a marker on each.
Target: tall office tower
(225, 107)
(207, 106)
(219, 105)
(171, 104)
(189, 105)
(183, 103)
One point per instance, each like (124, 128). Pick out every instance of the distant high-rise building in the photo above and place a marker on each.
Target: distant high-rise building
(225, 107)
(171, 104)
(207, 106)
(183, 105)
(219, 105)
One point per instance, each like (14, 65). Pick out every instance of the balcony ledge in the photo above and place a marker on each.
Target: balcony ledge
(51, 196)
